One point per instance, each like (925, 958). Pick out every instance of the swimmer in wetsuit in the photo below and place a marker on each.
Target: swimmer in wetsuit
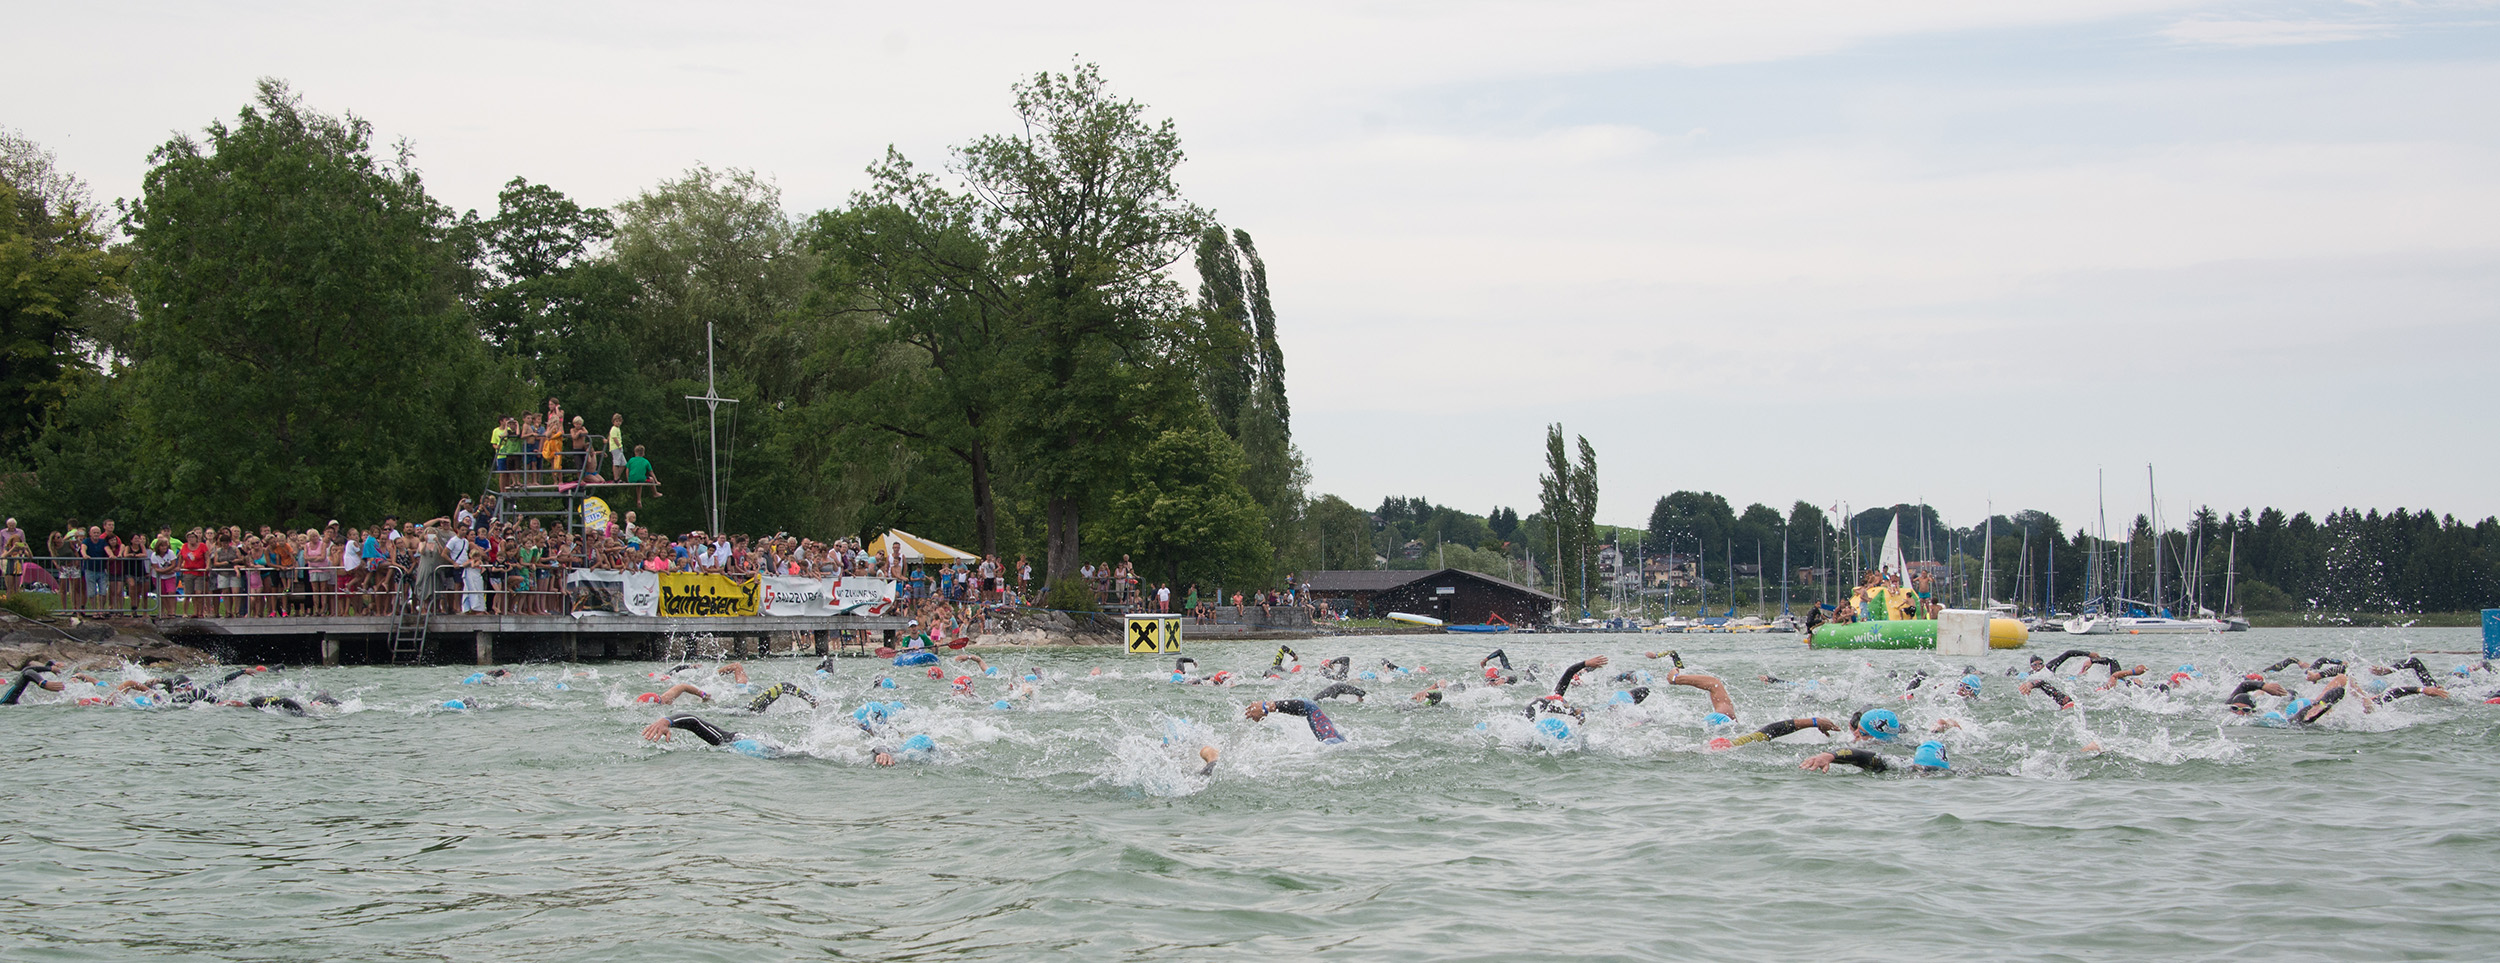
(1430, 696)
(280, 703)
(1777, 729)
(2037, 665)
(1321, 729)
(37, 673)
(1284, 652)
(1558, 703)
(1337, 668)
(764, 700)
(1340, 689)
(2243, 700)
(2090, 659)
(714, 735)
(2047, 688)
(2411, 662)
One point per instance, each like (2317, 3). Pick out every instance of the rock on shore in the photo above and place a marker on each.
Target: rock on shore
(92, 644)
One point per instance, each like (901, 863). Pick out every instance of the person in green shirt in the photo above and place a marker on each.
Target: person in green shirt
(638, 472)
(507, 441)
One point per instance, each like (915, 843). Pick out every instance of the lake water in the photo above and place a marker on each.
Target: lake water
(540, 826)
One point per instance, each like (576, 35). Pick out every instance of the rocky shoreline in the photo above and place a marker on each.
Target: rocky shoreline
(93, 644)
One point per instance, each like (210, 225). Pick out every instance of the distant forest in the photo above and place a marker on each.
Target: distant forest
(2351, 560)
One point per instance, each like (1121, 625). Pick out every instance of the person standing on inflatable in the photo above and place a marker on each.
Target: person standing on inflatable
(1321, 729)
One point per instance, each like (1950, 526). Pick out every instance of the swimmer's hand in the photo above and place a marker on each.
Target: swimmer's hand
(1944, 724)
(656, 732)
(1596, 662)
(1819, 762)
(885, 758)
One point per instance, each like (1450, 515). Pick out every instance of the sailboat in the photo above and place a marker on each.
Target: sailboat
(2154, 619)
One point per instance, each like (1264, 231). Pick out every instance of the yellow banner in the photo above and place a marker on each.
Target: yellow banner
(693, 596)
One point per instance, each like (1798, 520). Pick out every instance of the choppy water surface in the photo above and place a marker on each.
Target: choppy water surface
(539, 826)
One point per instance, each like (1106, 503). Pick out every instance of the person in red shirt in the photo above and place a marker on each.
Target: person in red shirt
(195, 573)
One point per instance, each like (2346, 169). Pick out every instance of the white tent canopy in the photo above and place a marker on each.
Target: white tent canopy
(914, 548)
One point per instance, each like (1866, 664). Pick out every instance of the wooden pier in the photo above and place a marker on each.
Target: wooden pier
(494, 639)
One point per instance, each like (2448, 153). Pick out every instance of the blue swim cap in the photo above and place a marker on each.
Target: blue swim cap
(1716, 719)
(920, 743)
(1623, 698)
(1368, 675)
(1180, 677)
(531, 678)
(142, 701)
(2297, 706)
(1555, 727)
(1930, 755)
(474, 678)
(1647, 679)
(1032, 677)
(1879, 724)
(1002, 704)
(991, 670)
(2189, 669)
(455, 704)
(2273, 718)
(1972, 682)
(2378, 686)
(885, 683)
(751, 747)
(2464, 670)
(561, 687)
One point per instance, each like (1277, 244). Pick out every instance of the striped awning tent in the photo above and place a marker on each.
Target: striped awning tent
(917, 549)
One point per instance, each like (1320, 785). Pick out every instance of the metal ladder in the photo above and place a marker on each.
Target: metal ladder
(408, 630)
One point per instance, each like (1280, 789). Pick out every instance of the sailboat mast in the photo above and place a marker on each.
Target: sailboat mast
(2154, 520)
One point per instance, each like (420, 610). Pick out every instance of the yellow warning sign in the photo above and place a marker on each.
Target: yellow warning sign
(1152, 634)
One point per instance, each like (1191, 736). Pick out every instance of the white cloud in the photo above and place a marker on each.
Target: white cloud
(2274, 33)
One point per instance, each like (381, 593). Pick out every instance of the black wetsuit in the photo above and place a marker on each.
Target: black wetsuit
(2398, 692)
(1780, 728)
(1640, 694)
(1340, 689)
(2243, 700)
(289, 706)
(1866, 759)
(2318, 709)
(1337, 668)
(1284, 652)
(2280, 666)
(2063, 700)
(1558, 703)
(764, 700)
(2420, 670)
(1496, 656)
(25, 677)
(702, 729)
(2090, 659)
(1321, 728)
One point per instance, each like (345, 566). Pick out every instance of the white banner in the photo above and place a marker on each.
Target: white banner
(609, 592)
(636, 592)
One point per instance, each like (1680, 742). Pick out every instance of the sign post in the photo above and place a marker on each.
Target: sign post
(1151, 634)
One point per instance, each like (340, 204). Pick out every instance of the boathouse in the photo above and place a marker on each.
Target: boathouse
(1451, 595)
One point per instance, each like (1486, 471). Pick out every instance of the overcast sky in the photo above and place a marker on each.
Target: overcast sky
(1965, 252)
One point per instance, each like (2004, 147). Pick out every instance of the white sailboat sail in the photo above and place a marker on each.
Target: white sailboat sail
(1893, 564)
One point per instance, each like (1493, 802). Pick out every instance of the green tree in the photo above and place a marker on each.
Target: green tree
(553, 304)
(923, 350)
(57, 272)
(1341, 534)
(299, 352)
(1185, 514)
(1568, 495)
(1089, 220)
